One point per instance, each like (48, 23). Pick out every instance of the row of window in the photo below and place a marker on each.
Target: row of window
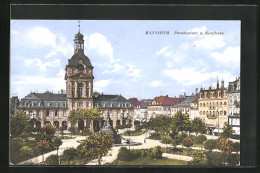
(122, 105)
(213, 94)
(80, 88)
(48, 113)
(212, 113)
(48, 104)
(212, 106)
(80, 104)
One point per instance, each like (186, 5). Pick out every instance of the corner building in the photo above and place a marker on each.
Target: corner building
(213, 106)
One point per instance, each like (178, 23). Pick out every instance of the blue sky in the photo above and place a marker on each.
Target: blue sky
(126, 60)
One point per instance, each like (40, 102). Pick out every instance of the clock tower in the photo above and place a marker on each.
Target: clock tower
(79, 77)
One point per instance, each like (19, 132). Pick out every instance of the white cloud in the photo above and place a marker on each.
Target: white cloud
(36, 83)
(42, 66)
(102, 83)
(116, 67)
(161, 51)
(64, 47)
(202, 29)
(133, 71)
(210, 42)
(101, 45)
(156, 83)
(51, 54)
(41, 36)
(230, 56)
(191, 76)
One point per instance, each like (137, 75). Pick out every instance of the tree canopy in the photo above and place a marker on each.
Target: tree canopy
(198, 126)
(97, 145)
(20, 124)
(85, 114)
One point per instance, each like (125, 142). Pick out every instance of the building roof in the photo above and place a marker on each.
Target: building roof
(74, 60)
(135, 102)
(186, 102)
(109, 98)
(144, 103)
(47, 96)
(165, 101)
(44, 100)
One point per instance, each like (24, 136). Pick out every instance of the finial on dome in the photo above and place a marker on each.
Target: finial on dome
(79, 25)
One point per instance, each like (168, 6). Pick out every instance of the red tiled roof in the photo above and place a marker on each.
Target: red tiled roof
(134, 101)
(166, 101)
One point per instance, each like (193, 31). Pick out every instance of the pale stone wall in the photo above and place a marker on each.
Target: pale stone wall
(216, 103)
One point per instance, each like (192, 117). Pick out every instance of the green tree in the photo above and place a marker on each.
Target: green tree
(69, 154)
(160, 123)
(210, 144)
(20, 124)
(52, 160)
(225, 145)
(227, 131)
(181, 122)
(236, 147)
(181, 136)
(199, 158)
(188, 142)
(42, 146)
(56, 142)
(200, 139)
(98, 145)
(166, 139)
(198, 126)
(85, 114)
(215, 159)
(26, 152)
(62, 132)
(16, 145)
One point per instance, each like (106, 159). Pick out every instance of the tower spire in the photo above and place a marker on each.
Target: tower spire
(79, 25)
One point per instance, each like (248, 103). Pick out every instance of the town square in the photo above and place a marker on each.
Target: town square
(125, 93)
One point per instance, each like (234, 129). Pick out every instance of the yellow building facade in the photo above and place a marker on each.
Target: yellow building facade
(213, 106)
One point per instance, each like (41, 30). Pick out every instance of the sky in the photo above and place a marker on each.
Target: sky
(126, 59)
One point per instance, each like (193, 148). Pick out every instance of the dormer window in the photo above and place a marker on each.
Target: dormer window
(80, 61)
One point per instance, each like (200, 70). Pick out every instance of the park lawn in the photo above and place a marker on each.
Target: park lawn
(148, 161)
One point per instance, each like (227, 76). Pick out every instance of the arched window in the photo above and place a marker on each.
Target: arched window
(73, 89)
(80, 86)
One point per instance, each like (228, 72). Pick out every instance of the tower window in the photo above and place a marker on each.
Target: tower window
(80, 89)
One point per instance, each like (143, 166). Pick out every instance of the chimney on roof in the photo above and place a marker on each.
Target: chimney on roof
(61, 91)
(196, 90)
(184, 94)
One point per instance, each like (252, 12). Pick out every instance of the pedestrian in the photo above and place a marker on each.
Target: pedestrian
(144, 140)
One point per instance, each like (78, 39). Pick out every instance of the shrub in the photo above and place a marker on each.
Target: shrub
(52, 160)
(156, 152)
(200, 139)
(199, 158)
(188, 142)
(225, 145)
(233, 159)
(192, 137)
(215, 158)
(166, 139)
(210, 144)
(236, 147)
(138, 127)
(124, 154)
(155, 135)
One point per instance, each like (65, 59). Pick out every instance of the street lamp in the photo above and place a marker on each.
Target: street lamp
(218, 118)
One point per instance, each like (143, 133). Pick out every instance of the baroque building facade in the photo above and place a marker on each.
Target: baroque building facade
(213, 106)
(53, 108)
(234, 106)
(140, 110)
